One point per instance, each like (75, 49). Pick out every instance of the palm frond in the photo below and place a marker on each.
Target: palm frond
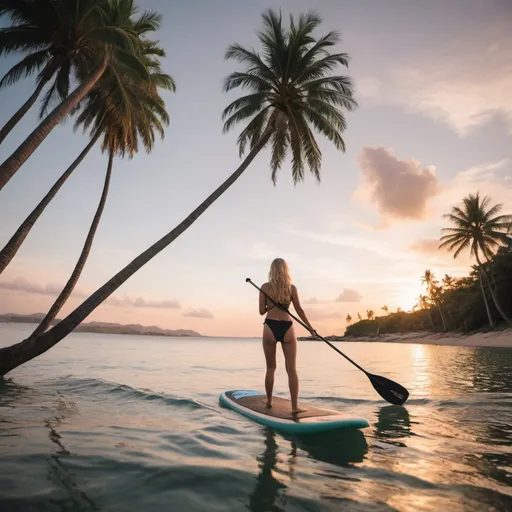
(249, 79)
(26, 67)
(252, 132)
(280, 142)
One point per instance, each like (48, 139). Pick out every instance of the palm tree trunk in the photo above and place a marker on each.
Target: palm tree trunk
(77, 271)
(13, 245)
(431, 320)
(17, 116)
(20, 353)
(493, 293)
(491, 321)
(9, 168)
(443, 320)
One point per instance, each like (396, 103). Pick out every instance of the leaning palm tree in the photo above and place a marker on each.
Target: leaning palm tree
(385, 309)
(123, 110)
(292, 86)
(481, 230)
(149, 54)
(80, 38)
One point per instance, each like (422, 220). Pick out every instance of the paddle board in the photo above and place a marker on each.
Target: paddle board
(279, 416)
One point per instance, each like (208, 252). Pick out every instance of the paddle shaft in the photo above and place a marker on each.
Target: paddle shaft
(306, 327)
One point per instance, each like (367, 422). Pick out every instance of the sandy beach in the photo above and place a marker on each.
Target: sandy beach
(495, 338)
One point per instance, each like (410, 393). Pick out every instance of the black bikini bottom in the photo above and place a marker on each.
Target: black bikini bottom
(278, 327)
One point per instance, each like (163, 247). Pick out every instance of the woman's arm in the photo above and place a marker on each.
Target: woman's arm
(263, 301)
(300, 311)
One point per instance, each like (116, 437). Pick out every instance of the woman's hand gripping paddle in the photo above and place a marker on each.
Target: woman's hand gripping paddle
(391, 391)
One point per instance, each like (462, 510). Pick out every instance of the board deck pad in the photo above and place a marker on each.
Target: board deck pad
(252, 404)
(281, 407)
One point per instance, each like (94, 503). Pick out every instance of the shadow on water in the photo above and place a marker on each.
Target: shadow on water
(59, 470)
(68, 494)
(340, 448)
(393, 423)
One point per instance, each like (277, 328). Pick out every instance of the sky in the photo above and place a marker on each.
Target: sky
(433, 124)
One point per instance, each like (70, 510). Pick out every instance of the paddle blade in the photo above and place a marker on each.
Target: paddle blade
(391, 391)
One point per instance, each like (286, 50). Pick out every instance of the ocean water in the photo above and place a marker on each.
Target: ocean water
(122, 423)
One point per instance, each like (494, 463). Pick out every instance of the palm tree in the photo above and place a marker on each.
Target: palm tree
(359, 317)
(449, 282)
(148, 53)
(292, 85)
(482, 230)
(385, 309)
(429, 279)
(348, 319)
(77, 37)
(435, 292)
(15, 242)
(370, 314)
(123, 110)
(424, 304)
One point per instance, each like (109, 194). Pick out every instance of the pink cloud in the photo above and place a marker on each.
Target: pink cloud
(399, 188)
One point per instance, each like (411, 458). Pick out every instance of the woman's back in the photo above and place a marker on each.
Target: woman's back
(283, 298)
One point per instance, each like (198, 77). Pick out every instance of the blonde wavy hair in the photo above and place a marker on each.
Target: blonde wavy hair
(280, 281)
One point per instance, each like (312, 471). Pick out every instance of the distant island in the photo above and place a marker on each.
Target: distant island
(103, 327)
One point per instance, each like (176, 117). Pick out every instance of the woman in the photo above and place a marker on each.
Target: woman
(278, 327)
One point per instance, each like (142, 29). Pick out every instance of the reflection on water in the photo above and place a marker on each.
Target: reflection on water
(393, 423)
(341, 448)
(266, 494)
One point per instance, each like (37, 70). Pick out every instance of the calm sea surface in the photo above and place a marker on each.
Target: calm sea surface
(121, 423)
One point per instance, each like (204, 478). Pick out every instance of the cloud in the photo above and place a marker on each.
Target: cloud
(349, 295)
(400, 188)
(426, 246)
(485, 172)
(320, 314)
(470, 85)
(199, 313)
(22, 285)
(139, 302)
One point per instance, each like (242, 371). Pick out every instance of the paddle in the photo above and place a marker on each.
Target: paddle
(391, 391)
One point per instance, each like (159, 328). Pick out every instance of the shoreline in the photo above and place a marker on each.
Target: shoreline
(499, 338)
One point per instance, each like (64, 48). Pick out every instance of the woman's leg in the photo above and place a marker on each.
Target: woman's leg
(290, 355)
(269, 348)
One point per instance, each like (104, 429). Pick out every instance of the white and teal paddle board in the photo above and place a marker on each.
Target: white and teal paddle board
(279, 417)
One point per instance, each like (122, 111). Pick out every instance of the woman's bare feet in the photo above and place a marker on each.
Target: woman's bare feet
(299, 409)
(268, 403)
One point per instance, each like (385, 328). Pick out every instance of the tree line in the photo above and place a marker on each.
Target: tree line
(483, 299)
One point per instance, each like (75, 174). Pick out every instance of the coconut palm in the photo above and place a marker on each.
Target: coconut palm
(348, 319)
(74, 38)
(435, 292)
(370, 314)
(123, 110)
(424, 304)
(385, 309)
(481, 230)
(449, 282)
(359, 317)
(149, 54)
(292, 87)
